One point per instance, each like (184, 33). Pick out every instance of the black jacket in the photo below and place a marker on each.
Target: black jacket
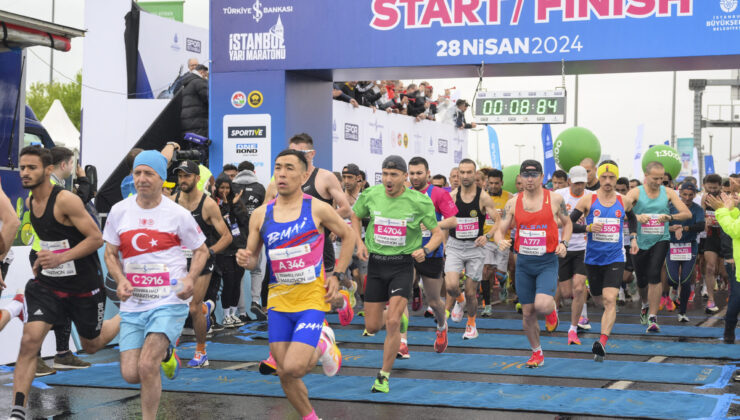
(235, 216)
(254, 193)
(194, 111)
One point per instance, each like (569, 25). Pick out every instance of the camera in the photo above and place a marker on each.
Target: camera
(192, 154)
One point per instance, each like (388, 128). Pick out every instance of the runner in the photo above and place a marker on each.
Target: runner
(291, 228)
(605, 256)
(572, 270)
(207, 215)
(465, 246)
(68, 279)
(393, 241)
(712, 242)
(651, 208)
(559, 180)
(9, 224)
(454, 178)
(496, 261)
(592, 181)
(358, 268)
(149, 231)
(681, 259)
(727, 215)
(431, 269)
(536, 214)
(622, 188)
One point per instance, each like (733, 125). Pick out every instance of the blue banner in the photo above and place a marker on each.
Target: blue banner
(493, 148)
(549, 161)
(708, 164)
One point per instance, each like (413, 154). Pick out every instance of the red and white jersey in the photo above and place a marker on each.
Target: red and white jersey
(150, 242)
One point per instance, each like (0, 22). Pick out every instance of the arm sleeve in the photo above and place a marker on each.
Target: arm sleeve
(575, 216)
(631, 221)
(729, 221)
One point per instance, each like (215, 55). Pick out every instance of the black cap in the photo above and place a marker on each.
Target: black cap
(189, 167)
(531, 165)
(351, 169)
(394, 162)
(687, 186)
(461, 102)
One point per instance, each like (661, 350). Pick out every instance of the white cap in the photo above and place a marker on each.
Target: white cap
(578, 174)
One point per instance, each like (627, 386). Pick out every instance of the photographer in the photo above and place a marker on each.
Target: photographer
(194, 111)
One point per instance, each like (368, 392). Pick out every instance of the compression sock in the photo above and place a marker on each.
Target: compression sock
(603, 339)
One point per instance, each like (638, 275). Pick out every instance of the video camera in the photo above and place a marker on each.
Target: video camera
(195, 148)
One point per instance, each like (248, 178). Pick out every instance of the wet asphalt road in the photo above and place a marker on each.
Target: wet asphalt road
(62, 402)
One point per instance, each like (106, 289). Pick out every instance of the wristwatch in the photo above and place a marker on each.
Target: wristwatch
(338, 275)
(565, 243)
(426, 251)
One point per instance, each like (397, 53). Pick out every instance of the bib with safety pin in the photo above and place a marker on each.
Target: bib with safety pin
(389, 232)
(63, 270)
(532, 242)
(150, 281)
(467, 228)
(680, 252)
(188, 253)
(653, 226)
(609, 231)
(294, 265)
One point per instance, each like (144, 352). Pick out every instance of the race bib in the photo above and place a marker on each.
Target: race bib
(467, 228)
(390, 232)
(188, 253)
(426, 233)
(680, 252)
(653, 226)
(532, 242)
(294, 265)
(150, 281)
(711, 219)
(57, 247)
(626, 232)
(609, 232)
(489, 221)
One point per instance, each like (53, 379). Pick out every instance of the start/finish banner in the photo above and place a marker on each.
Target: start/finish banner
(335, 34)
(365, 138)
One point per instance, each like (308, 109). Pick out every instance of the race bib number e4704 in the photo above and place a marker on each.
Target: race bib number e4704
(389, 232)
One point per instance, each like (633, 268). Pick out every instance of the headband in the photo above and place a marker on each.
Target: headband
(607, 167)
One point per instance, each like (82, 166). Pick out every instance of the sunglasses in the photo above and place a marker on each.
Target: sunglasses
(530, 174)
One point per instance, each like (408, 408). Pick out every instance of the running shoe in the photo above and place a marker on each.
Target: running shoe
(670, 305)
(551, 321)
(471, 332)
(644, 316)
(404, 323)
(711, 307)
(19, 297)
(457, 312)
(429, 313)
(683, 318)
(228, 322)
(691, 296)
(331, 358)
(199, 360)
(367, 334)
(346, 314)
(209, 307)
(573, 338)
(268, 366)
(416, 301)
(352, 290)
(598, 351)
(258, 312)
(518, 307)
(447, 314)
(42, 369)
(704, 294)
(381, 384)
(583, 323)
(403, 351)
(487, 312)
(237, 322)
(69, 360)
(440, 344)
(537, 360)
(171, 364)
(653, 327)
(663, 302)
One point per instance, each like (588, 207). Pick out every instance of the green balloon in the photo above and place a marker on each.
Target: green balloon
(510, 173)
(666, 155)
(575, 144)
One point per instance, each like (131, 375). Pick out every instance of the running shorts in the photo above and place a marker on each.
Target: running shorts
(601, 276)
(649, 262)
(464, 255)
(296, 327)
(165, 319)
(387, 276)
(208, 268)
(496, 257)
(431, 267)
(571, 265)
(535, 275)
(86, 310)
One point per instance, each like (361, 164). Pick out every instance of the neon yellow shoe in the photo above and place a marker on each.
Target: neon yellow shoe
(171, 364)
(381, 384)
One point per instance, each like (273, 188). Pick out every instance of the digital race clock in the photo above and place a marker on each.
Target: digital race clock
(525, 107)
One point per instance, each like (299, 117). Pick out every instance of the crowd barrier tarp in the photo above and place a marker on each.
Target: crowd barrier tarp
(365, 137)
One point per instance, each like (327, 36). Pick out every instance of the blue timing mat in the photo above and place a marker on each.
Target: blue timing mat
(714, 350)
(709, 376)
(459, 394)
(516, 325)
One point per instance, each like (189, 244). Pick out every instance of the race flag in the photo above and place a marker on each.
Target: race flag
(493, 148)
(549, 166)
(708, 164)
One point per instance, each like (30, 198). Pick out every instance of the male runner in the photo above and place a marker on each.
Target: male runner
(592, 181)
(559, 180)
(712, 242)
(325, 186)
(440, 181)
(681, 259)
(622, 187)
(358, 268)
(9, 224)
(496, 261)
(572, 270)
(68, 279)
(207, 215)
(392, 243)
(465, 246)
(651, 208)
(292, 228)
(148, 231)
(536, 214)
(454, 178)
(432, 267)
(605, 214)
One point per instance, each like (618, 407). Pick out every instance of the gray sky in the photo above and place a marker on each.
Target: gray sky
(611, 105)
